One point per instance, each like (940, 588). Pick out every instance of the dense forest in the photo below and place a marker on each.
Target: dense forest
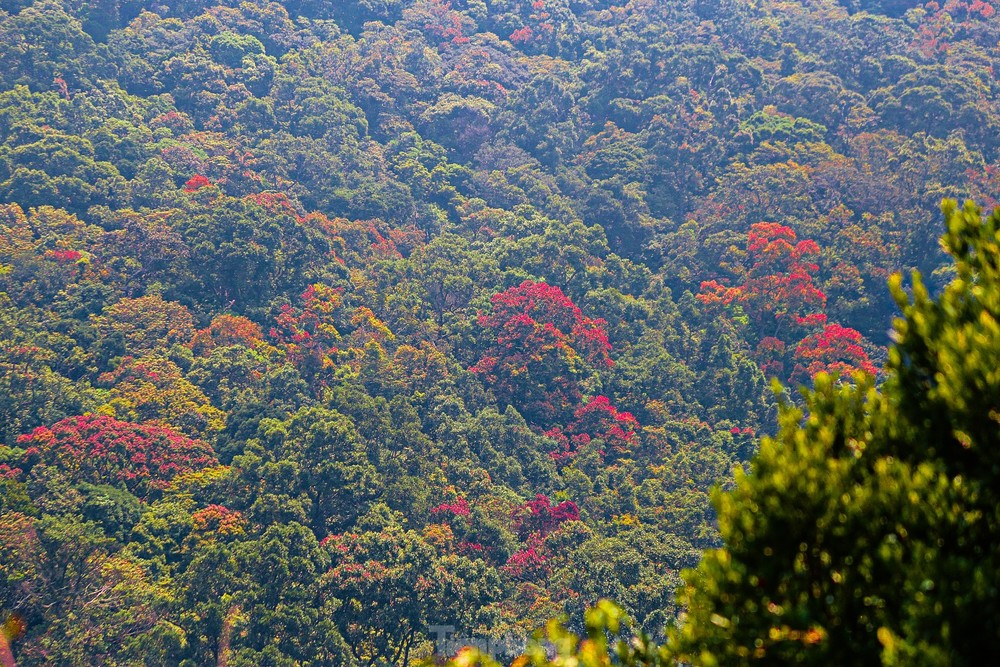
(323, 324)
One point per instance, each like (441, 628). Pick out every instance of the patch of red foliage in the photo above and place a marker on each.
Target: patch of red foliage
(458, 508)
(196, 182)
(104, 450)
(539, 517)
(598, 419)
(539, 336)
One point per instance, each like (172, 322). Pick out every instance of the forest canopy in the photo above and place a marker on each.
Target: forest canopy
(326, 323)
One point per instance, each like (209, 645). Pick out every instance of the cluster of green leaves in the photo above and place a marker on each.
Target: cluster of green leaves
(385, 314)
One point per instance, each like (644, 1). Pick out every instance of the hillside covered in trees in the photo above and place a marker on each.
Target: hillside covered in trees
(325, 323)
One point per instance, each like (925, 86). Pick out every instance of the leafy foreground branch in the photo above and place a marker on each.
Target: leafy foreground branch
(869, 529)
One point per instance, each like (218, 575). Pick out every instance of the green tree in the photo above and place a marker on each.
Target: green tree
(316, 457)
(390, 585)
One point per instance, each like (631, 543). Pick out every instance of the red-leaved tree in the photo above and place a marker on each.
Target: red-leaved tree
(535, 520)
(778, 293)
(542, 350)
(597, 420)
(196, 182)
(103, 450)
(777, 290)
(836, 349)
(539, 517)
